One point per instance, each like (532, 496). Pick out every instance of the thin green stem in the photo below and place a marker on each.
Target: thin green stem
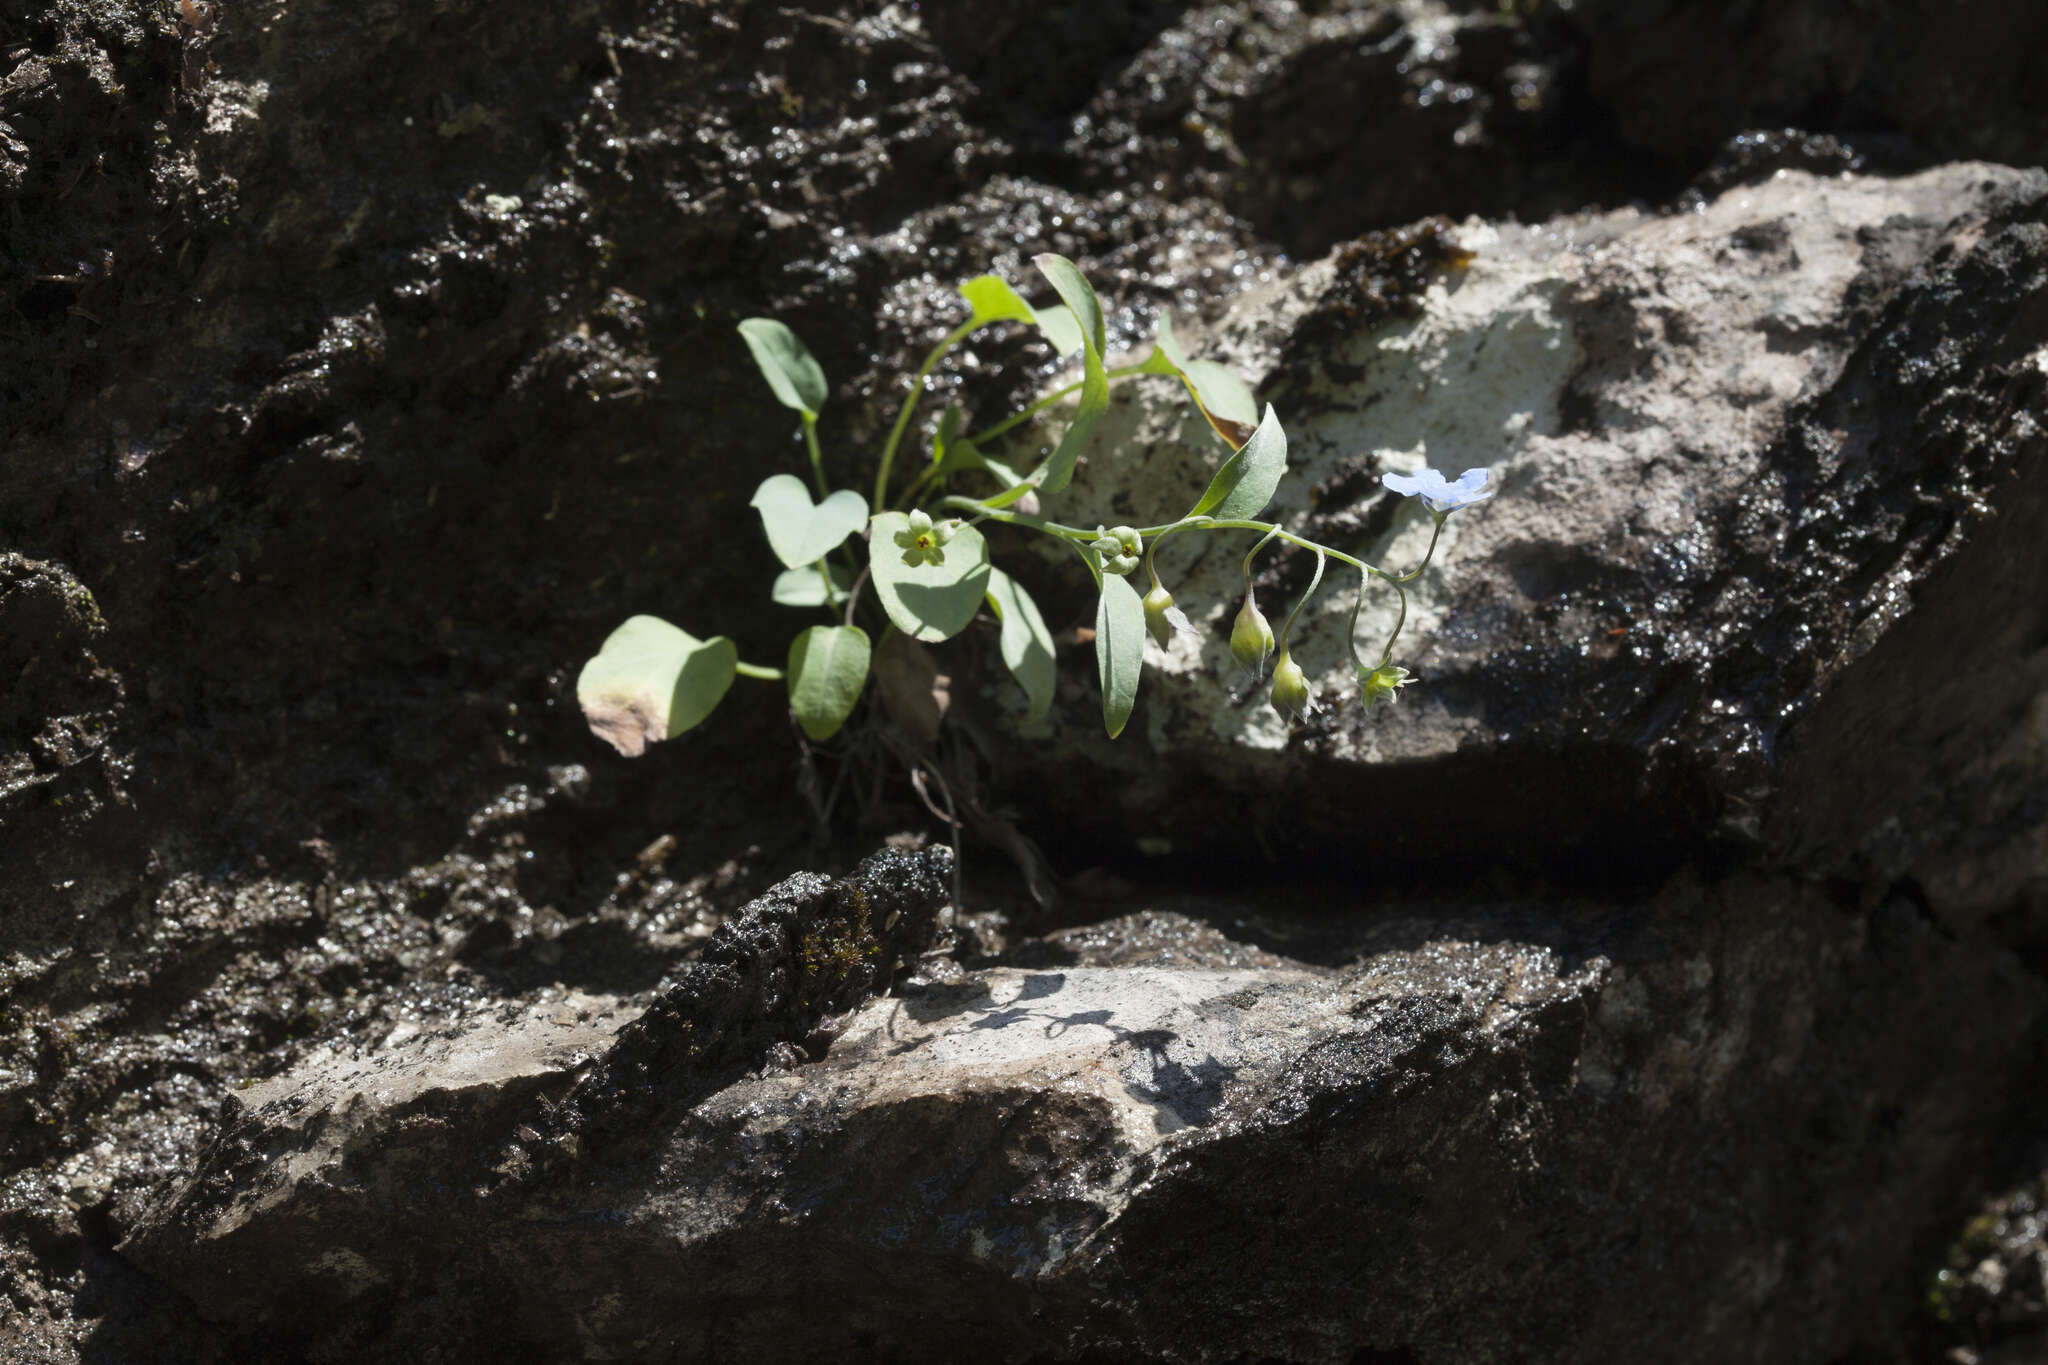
(1016, 418)
(853, 593)
(757, 671)
(817, 456)
(1082, 533)
(1351, 630)
(1302, 601)
(1428, 555)
(1399, 621)
(903, 416)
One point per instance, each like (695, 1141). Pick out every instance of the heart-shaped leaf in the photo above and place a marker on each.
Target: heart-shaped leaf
(786, 364)
(928, 602)
(993, 300)
(1245, 483)
(1119, 649)
(828, 666)
(804, 588)
(651, 682)
(800, 531)
(1026, 643)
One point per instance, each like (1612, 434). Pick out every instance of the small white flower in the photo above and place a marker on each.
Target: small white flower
(1438, 493)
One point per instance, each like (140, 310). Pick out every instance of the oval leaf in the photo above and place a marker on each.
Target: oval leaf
(1086, 309)
(805, 588)
(1026, 643)
(1060, 329)
(1074, 290)
(1245, 483)
(1119, 649)
(802, 532)
(786, 364)
(928, 602)
(828, 666)
(651, 682)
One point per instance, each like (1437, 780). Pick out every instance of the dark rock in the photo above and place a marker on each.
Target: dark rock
(1497, 1134)
(391, 1138)
(363, 364)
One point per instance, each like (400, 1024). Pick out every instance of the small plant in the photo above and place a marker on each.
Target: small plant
(918, 557)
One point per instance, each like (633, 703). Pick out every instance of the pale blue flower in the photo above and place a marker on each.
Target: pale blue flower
(1439, 493)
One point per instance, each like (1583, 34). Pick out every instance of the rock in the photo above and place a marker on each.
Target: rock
(354, 1141)
(519, 1097)
(1769, 489)
(1489, 1136)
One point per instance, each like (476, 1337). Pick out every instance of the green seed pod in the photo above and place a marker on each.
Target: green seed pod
(1290, 687)
(1251, 638)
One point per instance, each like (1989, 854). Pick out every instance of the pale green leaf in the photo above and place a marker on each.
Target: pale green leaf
(1074, 290)
(1086, 309)
(1026, 643)
(1059, 327)
(1245, 483)
(828, 666)
(1222, 397)
(1119, 649)
(786, 364)
(800, 531)
(804, 587)
(651, 682)
(928, 602)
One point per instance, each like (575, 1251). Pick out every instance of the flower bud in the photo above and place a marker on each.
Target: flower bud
(1251, 639)
(1382, 683)
(1163, 620)
(1290, 687)
(1120, 548)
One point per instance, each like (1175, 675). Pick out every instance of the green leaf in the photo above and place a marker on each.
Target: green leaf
(802, 532)
(1245, 483)
(1119, 649)
(804, 588)
(786, 364)
(1222, 397)
(651, 682)
(992, 300)
(1079, 297)
(928, 602)
(828, 666)
(1074, 290)
(1059, 327)
(1026, 643)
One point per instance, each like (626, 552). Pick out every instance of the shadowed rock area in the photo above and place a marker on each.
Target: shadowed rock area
(1660, 977)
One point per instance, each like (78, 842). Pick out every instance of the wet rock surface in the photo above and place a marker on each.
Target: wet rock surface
(360, 367)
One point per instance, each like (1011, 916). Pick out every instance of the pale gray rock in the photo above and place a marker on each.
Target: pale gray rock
(1768, 512)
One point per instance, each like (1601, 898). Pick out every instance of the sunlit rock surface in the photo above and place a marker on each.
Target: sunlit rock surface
(1768, 514)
